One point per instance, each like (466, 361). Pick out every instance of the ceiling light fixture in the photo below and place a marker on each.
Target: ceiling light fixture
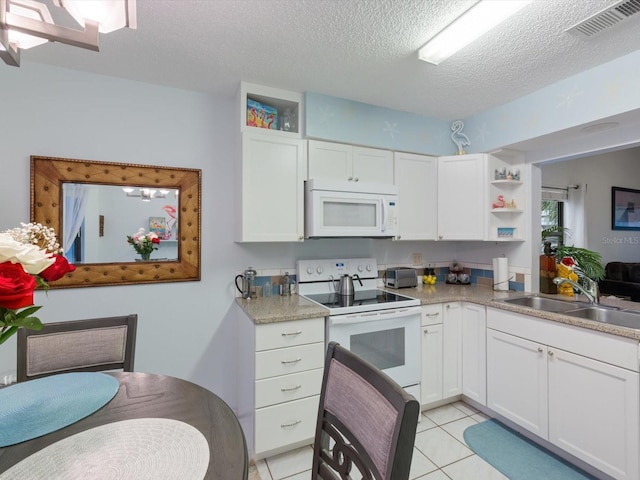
(472, 24)
(145, 194)
(27, 23)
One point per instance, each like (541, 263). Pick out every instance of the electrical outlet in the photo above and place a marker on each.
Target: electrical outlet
(416, 259)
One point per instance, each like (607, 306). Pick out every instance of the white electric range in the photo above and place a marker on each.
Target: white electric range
(380, 326)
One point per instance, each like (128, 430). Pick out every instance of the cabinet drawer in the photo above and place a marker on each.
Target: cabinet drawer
(285, 388)
(283, 361)
(288, 334)
(285, 424)
(431, 314)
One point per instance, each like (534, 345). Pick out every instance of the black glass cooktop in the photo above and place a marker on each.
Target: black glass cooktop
(363, 297)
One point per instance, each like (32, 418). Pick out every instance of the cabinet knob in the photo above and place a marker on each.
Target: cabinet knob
(550, 353)
(301, 237)
(356, 179)
(440, 237)
(426, 330)
(350, 178)
(398, 237)
(539, 349)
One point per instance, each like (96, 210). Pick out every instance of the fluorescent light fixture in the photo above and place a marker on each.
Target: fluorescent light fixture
(27, 23)
(475, 22)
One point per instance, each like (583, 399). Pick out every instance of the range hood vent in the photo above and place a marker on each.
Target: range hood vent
(610, 17)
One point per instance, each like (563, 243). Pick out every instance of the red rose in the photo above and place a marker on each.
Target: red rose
(16, 286)
(58, 270)
(155, 240)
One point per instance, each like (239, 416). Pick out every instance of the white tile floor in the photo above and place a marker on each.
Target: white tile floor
(439, 454)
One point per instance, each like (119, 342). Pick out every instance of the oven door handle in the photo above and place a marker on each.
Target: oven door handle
(374, 316)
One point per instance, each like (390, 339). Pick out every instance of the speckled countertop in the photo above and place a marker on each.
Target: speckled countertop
(279, 309)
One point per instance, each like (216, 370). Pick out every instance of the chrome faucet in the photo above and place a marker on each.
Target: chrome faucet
(591, 291)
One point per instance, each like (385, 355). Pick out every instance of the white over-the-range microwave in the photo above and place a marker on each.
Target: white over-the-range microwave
(336, 208)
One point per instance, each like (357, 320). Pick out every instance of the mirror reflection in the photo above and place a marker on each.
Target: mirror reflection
(98, 218)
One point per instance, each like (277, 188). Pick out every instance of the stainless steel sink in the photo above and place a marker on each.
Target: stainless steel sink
(621, 318)
(543, 303)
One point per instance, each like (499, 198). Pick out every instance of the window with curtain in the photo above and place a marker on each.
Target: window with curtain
(552, 213)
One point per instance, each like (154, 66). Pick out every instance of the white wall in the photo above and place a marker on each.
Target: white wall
(601, 172)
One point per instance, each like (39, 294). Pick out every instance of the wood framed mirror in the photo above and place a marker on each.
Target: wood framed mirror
(51, 177)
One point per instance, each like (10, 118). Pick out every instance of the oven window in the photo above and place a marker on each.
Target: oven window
(349, 214)
(384, 348)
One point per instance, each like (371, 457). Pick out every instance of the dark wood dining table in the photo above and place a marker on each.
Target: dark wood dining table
(144, 395)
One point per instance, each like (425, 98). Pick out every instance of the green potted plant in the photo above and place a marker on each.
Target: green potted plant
(587, 262)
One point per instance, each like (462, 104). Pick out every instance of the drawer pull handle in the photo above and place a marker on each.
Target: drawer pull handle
(291, 361)
(289, 425)
(431, 314)
(290, 389)
(284, 334)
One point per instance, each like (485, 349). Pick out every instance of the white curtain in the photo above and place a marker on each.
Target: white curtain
(575, 219)
(75, 206)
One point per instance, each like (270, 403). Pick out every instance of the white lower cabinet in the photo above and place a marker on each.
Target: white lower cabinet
(441, 352)
(474, 352)
(517, 381)
(280, 377)
(452, 349)
(431, 349)
(584, 401)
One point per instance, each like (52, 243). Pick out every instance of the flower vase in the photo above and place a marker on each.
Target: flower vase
(145, 256)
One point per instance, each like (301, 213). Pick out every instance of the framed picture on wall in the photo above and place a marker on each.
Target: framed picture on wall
(625, 209)
(158, 225)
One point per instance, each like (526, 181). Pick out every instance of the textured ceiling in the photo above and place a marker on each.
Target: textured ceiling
(363, 50)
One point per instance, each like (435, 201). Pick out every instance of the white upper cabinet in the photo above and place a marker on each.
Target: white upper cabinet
(416, 177)
(461, 197)
(345, 162)
(272, 189)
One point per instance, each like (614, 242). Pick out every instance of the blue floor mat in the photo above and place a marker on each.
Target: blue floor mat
(517, 457)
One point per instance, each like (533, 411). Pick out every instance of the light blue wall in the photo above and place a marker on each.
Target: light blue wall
(341, 120)
(606, 90)
(603, 91)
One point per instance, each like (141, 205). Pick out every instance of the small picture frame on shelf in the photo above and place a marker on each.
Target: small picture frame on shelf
(506, 232)
(261, 115)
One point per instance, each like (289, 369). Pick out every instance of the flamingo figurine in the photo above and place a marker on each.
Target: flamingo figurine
(459, 138)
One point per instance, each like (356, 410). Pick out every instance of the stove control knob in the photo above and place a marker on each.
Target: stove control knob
(360, 268)
(310, 270)
(368, 268)
(319, 270)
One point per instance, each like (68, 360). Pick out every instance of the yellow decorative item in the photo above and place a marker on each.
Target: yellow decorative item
(566, 272)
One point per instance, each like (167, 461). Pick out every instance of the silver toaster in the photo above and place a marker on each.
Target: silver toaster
(400, 277)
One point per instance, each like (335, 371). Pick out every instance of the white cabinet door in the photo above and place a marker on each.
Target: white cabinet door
(431, 378)
(593, 412)
(330, 160)
(372, 165)
(273, 173)
(452, 350)
(339, 161)
(462, 208)
(517, 381)
(416, 177)
(474, 352)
